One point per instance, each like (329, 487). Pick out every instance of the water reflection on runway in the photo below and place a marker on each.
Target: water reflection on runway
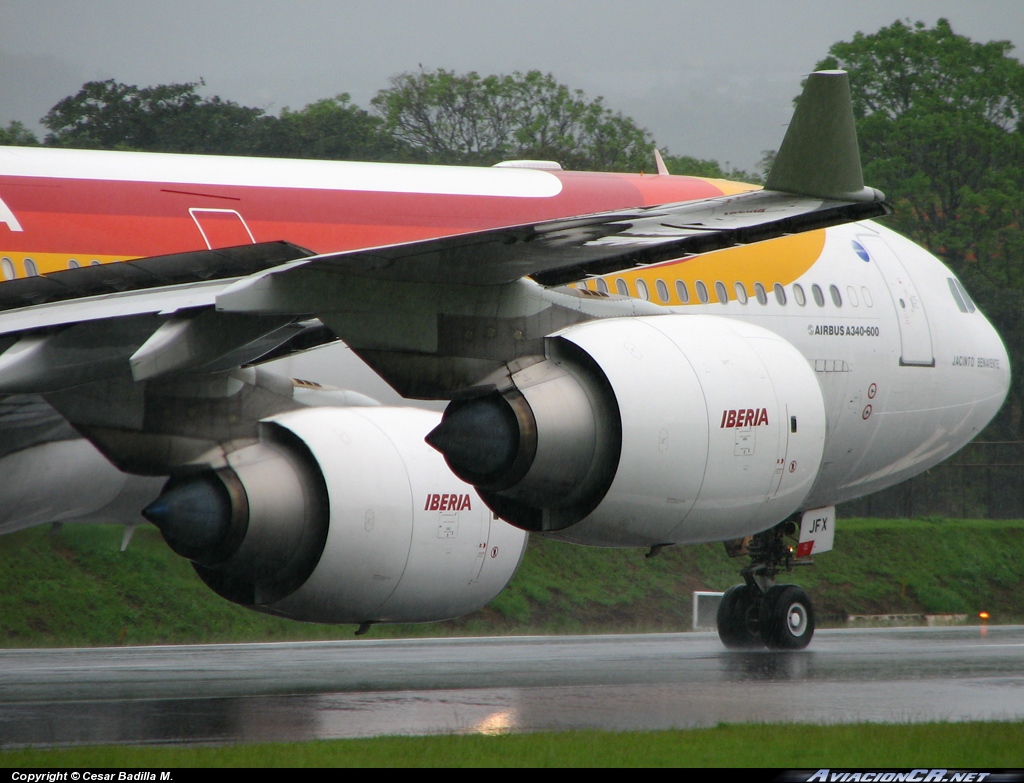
(370, 688)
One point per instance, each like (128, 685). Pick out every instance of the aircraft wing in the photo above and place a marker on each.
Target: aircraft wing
(215, 309)
(557, 252)
(553, 253)
(815, 182)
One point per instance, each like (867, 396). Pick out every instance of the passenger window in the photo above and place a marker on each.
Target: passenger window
(851, 295)
(684, 295)
(723, 294)
(620, 286)
(641, 289)
(798, 294)
(8, 267)
(819, 298)
(741, 293)
(760, 293)
(837, 298)
(780, 294)
(31, 270)
(865, 294)
(73, 264)
(702, 292)
(662, 290)
(94, 262)
(602, 286)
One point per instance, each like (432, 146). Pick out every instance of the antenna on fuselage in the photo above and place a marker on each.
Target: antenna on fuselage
(660, 162)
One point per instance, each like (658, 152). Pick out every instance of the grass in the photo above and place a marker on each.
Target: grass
(75, 588)
(949, 745)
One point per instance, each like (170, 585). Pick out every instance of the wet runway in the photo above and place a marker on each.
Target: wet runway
(320, 690)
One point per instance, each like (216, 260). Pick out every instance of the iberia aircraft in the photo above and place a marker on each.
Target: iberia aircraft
(631, 360)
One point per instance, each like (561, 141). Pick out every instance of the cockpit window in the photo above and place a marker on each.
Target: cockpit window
(967, 297)
(956, 295)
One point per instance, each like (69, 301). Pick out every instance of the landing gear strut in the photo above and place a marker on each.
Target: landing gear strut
(760, 612)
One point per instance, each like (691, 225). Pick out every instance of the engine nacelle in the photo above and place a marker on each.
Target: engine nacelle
(644, 431)
(341, 515)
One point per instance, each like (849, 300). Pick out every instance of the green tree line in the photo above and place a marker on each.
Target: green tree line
(423, 117)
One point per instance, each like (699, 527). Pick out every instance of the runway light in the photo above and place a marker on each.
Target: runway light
(983, 615)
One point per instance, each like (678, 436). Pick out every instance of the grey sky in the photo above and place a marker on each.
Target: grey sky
(709, 79)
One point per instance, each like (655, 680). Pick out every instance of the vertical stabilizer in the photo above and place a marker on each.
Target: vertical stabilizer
(819, 155)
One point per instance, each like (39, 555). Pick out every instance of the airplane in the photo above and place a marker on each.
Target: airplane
(630, 360)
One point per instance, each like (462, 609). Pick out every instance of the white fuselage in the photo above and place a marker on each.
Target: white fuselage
(907, 376)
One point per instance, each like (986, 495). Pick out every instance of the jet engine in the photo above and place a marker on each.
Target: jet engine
(340, 515)
(645, 431)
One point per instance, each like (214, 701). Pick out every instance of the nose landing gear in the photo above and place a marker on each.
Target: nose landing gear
(759, 612)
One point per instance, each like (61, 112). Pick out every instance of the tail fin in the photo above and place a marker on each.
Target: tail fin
(819, 155)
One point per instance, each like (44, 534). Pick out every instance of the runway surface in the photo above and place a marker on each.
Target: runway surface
(320, 690)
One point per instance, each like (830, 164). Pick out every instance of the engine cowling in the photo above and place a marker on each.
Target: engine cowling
(645, 431)
(341, 515)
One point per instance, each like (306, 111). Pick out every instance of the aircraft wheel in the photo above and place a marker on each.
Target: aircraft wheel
(786, 618)
(738, 618)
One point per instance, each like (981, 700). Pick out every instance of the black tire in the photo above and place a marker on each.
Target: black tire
(786, 619)
(738, 618)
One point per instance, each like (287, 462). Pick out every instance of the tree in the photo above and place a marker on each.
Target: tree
(698, 167)
(165, 118)
(17, 135)
(939, 119)
(175, 118)
(331, 129)
(472, 119)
